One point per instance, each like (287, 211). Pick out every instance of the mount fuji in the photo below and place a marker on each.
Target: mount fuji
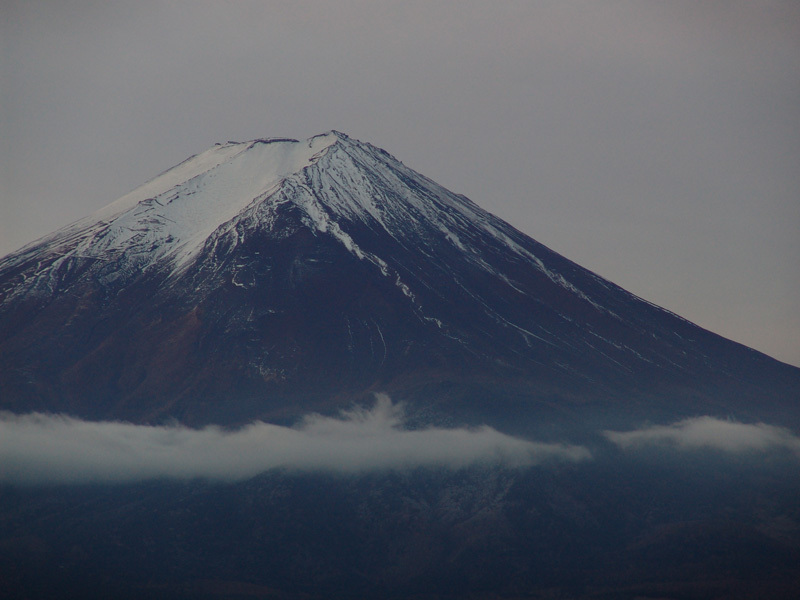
(264, 279)
(183, 377)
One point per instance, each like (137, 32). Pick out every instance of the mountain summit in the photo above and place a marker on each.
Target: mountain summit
(266, 278)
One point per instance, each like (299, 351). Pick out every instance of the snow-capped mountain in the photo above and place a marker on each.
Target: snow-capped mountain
(261, 279)
(273, 278)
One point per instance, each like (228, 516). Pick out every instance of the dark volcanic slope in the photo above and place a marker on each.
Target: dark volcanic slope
(264, 279)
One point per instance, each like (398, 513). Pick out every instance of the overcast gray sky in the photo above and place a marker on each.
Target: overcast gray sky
(656, 143)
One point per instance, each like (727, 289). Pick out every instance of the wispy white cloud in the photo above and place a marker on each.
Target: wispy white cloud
(709, 433)
(39, 448)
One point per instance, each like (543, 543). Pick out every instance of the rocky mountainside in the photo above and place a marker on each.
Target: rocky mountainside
(267, 278)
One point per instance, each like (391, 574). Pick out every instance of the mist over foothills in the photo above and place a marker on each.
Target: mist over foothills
(41, 448)
(709, 433)
(44, 449)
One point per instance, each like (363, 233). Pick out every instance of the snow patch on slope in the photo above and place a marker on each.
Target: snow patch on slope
(176, 212)
(317, 217)
(360, 185)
